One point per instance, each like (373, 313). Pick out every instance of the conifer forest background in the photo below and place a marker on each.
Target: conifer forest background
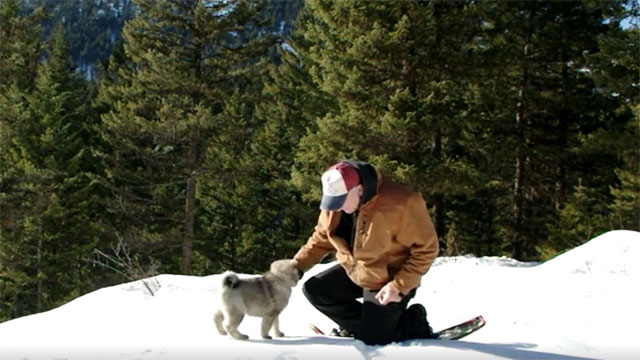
(140, 137)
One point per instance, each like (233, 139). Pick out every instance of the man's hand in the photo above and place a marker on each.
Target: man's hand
(388, 294)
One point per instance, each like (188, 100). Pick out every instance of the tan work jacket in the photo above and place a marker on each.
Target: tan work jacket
(394, 240)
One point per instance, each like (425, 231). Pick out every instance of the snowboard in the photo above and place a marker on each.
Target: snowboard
(454, 332)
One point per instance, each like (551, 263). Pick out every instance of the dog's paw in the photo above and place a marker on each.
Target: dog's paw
(241, 337)
(267, 337)
(279, 334)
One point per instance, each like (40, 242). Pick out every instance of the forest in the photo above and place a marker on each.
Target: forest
(188, 136)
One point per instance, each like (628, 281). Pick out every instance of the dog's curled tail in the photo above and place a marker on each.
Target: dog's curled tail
(230, 280)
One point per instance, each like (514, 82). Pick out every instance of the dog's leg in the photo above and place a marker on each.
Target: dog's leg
(233, 322)
(267, 322)
(276, 327)
(218, 317)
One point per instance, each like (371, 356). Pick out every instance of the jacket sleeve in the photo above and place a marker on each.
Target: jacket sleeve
(318, 245)
(418, 234)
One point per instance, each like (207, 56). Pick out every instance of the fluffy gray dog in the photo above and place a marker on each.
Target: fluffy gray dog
(264, 296)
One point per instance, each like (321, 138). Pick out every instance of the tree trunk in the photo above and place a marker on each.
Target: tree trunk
(520, 161)
(560, 197)
(39, 272)
(190, 206)
(192, 163)
(438, 198)
(187, 243)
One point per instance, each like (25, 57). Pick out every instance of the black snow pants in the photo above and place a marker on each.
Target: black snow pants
(334, 294)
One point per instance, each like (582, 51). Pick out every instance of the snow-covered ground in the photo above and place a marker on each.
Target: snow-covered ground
(584, 304)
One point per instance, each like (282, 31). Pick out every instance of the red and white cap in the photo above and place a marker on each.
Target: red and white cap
(336, 183)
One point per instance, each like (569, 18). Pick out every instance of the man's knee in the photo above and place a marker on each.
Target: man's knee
(310, 289)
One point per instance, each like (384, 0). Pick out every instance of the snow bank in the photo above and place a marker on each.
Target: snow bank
(612, 253)
(580, 305)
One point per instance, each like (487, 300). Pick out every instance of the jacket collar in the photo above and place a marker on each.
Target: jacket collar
(369, 177)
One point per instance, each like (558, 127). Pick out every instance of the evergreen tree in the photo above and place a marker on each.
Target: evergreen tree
(394, 69)
(171, 105)
(625, 208)
(538, 104)
(19, 52)
(606, 196)
(19, 45)
(45, 247)
(280, 219)
(616, 69)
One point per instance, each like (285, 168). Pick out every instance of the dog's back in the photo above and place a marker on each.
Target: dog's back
(256, 296)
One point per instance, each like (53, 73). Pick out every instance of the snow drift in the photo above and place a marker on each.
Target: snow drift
(582, 304)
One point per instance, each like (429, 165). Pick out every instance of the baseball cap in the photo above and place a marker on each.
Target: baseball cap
(336, 183)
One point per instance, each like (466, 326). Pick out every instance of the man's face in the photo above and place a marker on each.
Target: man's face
(352, 202)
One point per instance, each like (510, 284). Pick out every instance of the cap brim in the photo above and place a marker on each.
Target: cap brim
(332, 203)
